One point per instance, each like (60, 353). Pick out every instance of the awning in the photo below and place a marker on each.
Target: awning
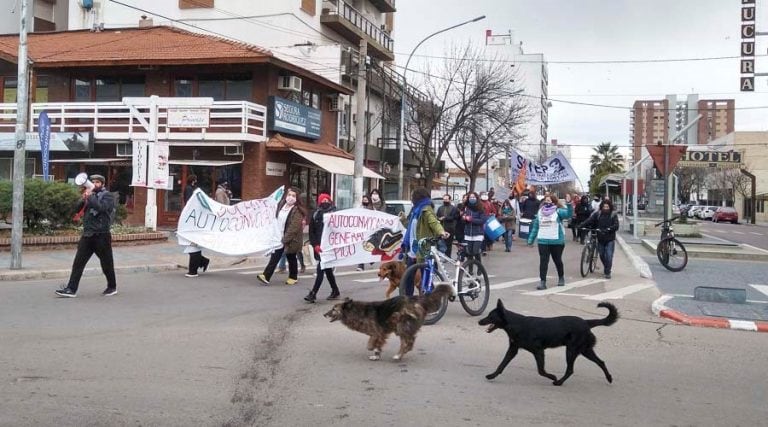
(124, 159)
(336, 165)
(204, 162)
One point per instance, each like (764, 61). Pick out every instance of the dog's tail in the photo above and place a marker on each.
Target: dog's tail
(613, 316)
(434, 299)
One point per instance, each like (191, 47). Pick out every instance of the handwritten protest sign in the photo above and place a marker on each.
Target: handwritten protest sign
(245, 228)
(358, 236)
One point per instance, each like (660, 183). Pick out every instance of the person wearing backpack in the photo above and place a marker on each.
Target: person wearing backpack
(606, 222)
(98, 210)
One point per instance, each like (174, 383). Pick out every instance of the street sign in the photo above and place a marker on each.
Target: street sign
(657, 153)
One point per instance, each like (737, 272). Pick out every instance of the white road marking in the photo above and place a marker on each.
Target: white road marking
(719, 231)
(756, 234)
(343, 273)
(620, 293)
(761, 288)
(567, 287)
(737, 232)
(513, 283)
(371, 280)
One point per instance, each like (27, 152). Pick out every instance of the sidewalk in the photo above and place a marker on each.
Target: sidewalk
(57, 263)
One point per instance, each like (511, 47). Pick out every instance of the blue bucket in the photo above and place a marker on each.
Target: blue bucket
(493, 228)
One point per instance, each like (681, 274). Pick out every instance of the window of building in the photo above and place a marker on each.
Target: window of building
(6, 168)
(108, 89)
(306, 98)
(309, 6)
(239, 88)
(195, 4)
(82, 90)
(9, 89)
(226, 88)
(183, 87)
(316, 101)
(41, 89)
(211, 87)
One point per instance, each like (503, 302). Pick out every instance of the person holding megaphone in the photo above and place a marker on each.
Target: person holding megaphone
(98, 207)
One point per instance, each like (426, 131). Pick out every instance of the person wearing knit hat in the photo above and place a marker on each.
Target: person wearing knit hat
(324, 206)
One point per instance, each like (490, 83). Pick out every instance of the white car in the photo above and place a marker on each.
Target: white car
(693, 209)
(706, 212)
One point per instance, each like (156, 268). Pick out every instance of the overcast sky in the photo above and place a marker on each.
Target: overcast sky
(603, 30)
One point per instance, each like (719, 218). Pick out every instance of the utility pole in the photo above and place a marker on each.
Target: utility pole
(19, 154)
(362, 67)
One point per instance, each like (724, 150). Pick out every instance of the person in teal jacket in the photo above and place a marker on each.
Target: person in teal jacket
(548, 228)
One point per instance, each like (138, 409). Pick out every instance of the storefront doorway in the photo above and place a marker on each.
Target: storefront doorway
(310, 182)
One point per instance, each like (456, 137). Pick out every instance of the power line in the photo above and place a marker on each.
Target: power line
(587, 62)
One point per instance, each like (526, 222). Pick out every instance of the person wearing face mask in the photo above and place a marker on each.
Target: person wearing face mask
(606, 222)
(366, 202)
(474, 217)
(490, 210)
(583, 211)
(548, 228)
(448, 216)
(324, 206)
(530, 206)
(290, 214)
(421, 223)
(377, 202)
(508, 217)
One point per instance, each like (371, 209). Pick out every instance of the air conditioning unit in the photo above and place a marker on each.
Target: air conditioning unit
(291, 83)
(334, 103)
(236, 150)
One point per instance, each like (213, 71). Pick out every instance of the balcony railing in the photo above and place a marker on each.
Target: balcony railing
(339, 10)
(228, 121)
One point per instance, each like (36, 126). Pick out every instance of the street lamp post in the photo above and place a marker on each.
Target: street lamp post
(402, 101)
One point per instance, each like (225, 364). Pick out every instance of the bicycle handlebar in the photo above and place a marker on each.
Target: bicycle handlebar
(671, 220)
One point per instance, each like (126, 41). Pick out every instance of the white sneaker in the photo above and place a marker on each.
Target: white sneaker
(191, 275)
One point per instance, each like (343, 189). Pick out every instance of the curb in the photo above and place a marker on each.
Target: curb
(95, 271)
(660, 309)
(640, 265)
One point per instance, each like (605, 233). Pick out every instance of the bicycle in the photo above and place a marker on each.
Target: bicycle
(470, 280)
(670, 251)
(588, 254)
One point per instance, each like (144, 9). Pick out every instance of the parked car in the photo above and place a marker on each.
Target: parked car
(394, 207)
(706, 212)
(693, 209)
(726, 214)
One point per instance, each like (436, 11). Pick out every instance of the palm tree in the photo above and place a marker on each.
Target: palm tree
(606, 159)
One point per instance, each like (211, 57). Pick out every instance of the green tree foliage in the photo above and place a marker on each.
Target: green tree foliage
(45, 203)
(605, 160)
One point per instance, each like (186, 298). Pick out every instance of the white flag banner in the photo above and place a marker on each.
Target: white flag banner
(359, 236)
(139, 162)
(244, 228)
(554, 170)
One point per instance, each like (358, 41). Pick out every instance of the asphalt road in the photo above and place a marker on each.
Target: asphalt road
(223, 350)
(739, 233)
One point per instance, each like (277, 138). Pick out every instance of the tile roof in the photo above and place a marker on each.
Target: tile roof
(130, 46)
(282, 143)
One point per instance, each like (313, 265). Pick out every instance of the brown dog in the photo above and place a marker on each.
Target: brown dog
(402, 316)
(394, 270)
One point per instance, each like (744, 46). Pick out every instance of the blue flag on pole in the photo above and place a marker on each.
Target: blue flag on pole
(44, 127)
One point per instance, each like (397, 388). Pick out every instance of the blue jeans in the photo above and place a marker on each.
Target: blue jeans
(508, 238)
(606, 254)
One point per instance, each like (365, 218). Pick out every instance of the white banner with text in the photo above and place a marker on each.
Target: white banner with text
(554, 170)
(359, 236)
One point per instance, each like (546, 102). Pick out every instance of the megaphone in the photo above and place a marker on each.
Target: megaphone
(82, 180)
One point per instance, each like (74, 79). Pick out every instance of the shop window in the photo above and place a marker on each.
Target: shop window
(212, 88)
(82, 90)
(132, 86)
(182, 88)
(220, 88)
(107, 89)
(41, 89)
(238, 89)
(6, 168)
(9, 89)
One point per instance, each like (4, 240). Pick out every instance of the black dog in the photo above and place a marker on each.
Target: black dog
(538, 333)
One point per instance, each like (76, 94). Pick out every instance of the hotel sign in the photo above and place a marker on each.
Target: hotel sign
(293, 118)
(747, 68)
(712, 159)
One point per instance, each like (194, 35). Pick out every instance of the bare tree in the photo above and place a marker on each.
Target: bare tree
(690, 180)
(469, 111)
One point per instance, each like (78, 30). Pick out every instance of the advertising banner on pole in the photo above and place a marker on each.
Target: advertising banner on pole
(554, 170)
(139, 163)
(359, 236)
(44, 127)
(248, 227)
(161, 166)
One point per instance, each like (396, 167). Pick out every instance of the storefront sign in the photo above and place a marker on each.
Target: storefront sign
(139, 163)
(293, 118)
(711, 158)
(188, 117)
(58, 141)
(245, 228)
(359, 236)
(747, 67)
(276, 169)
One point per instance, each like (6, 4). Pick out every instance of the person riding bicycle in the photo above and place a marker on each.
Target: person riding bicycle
(421, 223)
(606, 222)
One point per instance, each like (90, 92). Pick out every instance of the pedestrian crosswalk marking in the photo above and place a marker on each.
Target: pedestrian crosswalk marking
(567, 287)
(620, 293)
(371, 280)
(761, 288)
(513, 283)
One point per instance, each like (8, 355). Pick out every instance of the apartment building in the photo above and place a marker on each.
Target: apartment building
(658, 120)
(42, 15)
(321, 36)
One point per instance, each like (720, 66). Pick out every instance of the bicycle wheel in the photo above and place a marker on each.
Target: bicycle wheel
(408, 277)
(593, 257)
(586, 261)
(473, 288)
(672, 254)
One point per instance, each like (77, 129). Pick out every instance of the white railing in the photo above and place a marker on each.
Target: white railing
(229, 121)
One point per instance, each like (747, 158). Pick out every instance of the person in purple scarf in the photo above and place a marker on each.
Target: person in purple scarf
(548, 228)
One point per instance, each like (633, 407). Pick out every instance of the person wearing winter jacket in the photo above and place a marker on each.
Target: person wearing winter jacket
(582, 212)
(474, 217)
(489, 207)
(324, 206)
(606, 222)
(530, 206)
(290, 214)
(548, 228)
(508, 217)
